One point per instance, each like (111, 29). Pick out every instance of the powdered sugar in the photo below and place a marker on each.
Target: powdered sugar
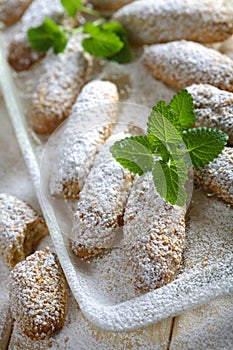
(217, 177)
(98, 215)
(21, 228)
(154, 232)
(202, 21)
(6, 320)
(213, 108)
(182, 63)
(91, 118)
(38, 295)
(58, 87)
(107, 296)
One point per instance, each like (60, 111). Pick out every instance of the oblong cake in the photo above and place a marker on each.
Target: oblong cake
(99, 212)
(21, 228)
(89, 125)
(150, 21)
(217, 176)
(109, 6)
(38, 295)
(182, 63)
(58, 87)
(154, 233)
(213, 108)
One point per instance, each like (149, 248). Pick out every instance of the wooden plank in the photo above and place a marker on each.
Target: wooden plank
(209, 327)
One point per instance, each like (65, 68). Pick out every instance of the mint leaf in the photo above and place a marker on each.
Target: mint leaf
(182, 104)
(204, 144)
(143, 140)
(169, 179)
(102, 42)
(158, 147)
(124, 55)
(108, 41)
(72, 6)
(115, 27)
(167, 112)
(134, 153)
(131, 166)
(162, 129)
(46, 36)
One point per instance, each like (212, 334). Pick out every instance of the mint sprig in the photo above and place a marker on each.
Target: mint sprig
(170, 148)
(103, 39)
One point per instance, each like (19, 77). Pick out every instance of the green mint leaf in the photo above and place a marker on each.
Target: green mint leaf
(169, 179)
(102, 42)
(164, 130)
(167, 112)
(124, 55)
(115, 27)
(131, 166)
(72, 6)
(134, 153)
(204, 144)
(47, 35)
(158, 147)
(182, 104)
(143, 140)
(162, 133)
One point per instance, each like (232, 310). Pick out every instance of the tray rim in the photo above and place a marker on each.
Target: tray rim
(125, 316)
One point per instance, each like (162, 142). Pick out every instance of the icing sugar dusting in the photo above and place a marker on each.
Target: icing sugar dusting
(201, 20)
(217, 176)
(8, 15)
(182, 63)
(38, 295)
(154, 232)
(58, 87)
(213, 108)
(99, 211)
(20, 229)
(89, 125)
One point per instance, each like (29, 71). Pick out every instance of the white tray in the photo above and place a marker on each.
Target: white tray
(105, 307)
